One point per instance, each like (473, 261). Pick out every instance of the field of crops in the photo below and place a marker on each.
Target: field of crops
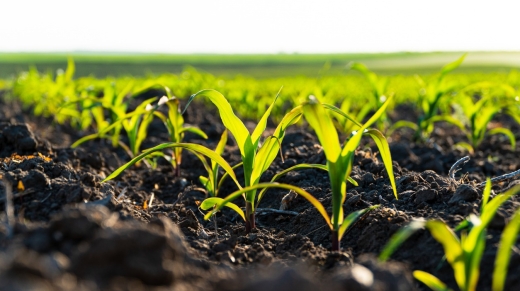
(347, 179)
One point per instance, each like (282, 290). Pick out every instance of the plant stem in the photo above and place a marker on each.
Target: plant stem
(178, 170)
(335, 241)
(250, 217)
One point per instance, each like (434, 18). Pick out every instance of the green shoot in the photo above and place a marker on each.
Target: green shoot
(340, 160)
(430, 101)
(379, 87)
(174, 123)
(478, 114)
(256, 158)
(462, 254)
(211, 181)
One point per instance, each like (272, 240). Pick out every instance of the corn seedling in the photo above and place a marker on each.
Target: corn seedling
(379, 87)
(429, 101)
(256, 158)
(135, 124)
(464, 253)
(340, 160)
(211, 181)
(477, 114)
(174, 123)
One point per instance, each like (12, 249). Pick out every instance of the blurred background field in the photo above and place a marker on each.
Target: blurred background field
(101, 65)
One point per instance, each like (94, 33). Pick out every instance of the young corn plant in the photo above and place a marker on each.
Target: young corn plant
(135, 124)
(464, 253)
(429, 101)
(174, 123)
(477, 114)
(256, 157)
(379, 91)
(211, 182)
(340, 160)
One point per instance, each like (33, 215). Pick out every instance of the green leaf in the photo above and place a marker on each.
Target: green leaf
(194, 130)
(230, 120)
(194, 147)
(448, 119)
(351, 218)
(399, 237)
(452, 249)
(290, 169)
(508, 239)
(402, 123)
(222, 142)
(472, 258)
(84, 139)
(371, 76)
(464, 146)
(211, 202)
(319, 120)
(341, 113)
(384, 150)
(453, 65)
(71, 68)
(506, 132)
(431, 281)
(260, 127)
(317, 204)
(485, 195)
(271, 147)
(207, 184)
(227, 175)
(487, 215)
(219, 150)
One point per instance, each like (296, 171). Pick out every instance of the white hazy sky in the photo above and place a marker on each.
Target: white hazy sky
(269, 26)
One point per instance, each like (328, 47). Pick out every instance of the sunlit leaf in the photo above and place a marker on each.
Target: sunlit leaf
(452, 249)
(507, 241)
(351, 218)
(298, 191)
(384, 150)
(431, 281)
(194, 147)
(400, 237)
(506, 132)
(211, 202)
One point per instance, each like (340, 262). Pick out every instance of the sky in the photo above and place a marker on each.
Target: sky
(269, 26)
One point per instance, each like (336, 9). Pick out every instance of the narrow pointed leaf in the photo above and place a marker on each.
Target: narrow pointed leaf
(430, 280)
(320, 121)
(508, 239)
(452, 249)
(384, 150)
(453, 65)
(209, 203)
(506, 132)
(485, 195)
(294, 168)
(341, 113)
(194, 147)
(317, 204)
(194, 130)
(271, 147)
(230, 120)
(351, 218)
(399, 237)
(260, 127)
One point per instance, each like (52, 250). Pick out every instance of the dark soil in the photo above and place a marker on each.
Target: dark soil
(74, 233)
